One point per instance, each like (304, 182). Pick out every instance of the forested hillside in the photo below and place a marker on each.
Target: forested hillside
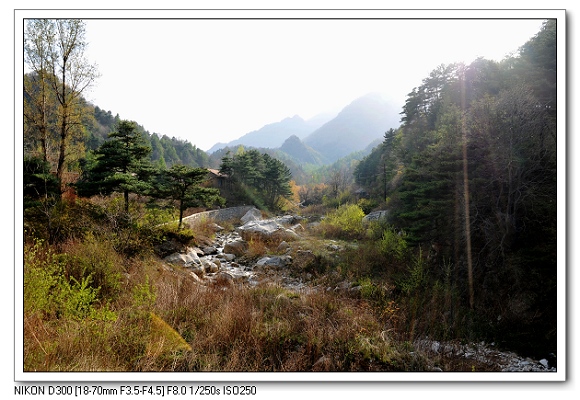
(166, 151)
(470, 176)
(402, 256)
(41, 137)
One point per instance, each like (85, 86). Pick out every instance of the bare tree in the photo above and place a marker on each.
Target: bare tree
(55, 53)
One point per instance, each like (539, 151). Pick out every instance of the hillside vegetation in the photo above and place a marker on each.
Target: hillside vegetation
(466, 252)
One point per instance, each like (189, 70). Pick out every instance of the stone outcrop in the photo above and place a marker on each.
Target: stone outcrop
(380, 215)
(237, 248)
(274, 262)
(221, 215)
(270, 229)
(222, 261)
(186, 259)
(253, 214)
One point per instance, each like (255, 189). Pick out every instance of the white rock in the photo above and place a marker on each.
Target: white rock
(252, 215)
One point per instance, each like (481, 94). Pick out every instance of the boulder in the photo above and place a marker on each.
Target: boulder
(287, 235)
(196, 250)
(224, 279)
(297, 227)
(376, 216)
(286, 220)
(209, 266)
(175, 258)
(187, 259)
(283, 247)
(198, 270)
(209, 250)
(275, 261)
(227, 257)
(252, 215)
(237, 248)
(267, 230)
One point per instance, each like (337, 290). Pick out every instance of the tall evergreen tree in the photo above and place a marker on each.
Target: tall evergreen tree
(184, 184)
(121, 165)
(266, 178)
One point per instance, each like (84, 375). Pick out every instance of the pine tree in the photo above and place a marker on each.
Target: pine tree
(121, 165)
(184, 184)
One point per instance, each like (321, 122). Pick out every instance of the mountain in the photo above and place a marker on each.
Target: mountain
(273, 135)
(301, 153)
(324, 139)
(360, 123)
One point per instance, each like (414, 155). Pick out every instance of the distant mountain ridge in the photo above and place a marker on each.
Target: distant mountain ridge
(323, 139)
(273, 135)
(301, 153)
(360, 123)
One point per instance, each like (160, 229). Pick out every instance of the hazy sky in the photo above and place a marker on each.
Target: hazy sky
(213, 80)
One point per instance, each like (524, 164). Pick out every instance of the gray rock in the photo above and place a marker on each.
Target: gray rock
(198, 270)
(355, 289)
(175, 258)
(186, 259)
(297, 227)
(209, 250)
(285, 235)
(275, 261)
(237, 248)
(226, 256)
(376, 216)
(209, 266)
(283, 246)
(252, 215)
(435, 346)
(196, 250)
(285, 220)
(266, 229)
(224, 279)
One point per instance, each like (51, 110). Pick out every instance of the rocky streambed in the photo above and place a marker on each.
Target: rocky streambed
(224, 262)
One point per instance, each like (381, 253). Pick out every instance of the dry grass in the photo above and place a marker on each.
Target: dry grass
(270, 328)
(190, 327)
(151, 317)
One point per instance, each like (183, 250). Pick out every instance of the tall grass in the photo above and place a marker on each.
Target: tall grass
(162, 320)
(93, 304)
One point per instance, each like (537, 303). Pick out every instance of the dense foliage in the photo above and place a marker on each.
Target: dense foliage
(184, 185)
(119, 165)
(165, 151)
(264, 179)
(471, 177)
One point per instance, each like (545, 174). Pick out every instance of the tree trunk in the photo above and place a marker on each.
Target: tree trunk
(126, 197)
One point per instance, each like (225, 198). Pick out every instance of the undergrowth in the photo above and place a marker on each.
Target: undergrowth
(102, 300)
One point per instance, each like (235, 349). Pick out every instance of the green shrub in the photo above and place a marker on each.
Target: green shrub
(393, 244)
(144, 295)
(97, 259)
(48, 290)
(344, 222)
(367, 205)
(417, 277)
